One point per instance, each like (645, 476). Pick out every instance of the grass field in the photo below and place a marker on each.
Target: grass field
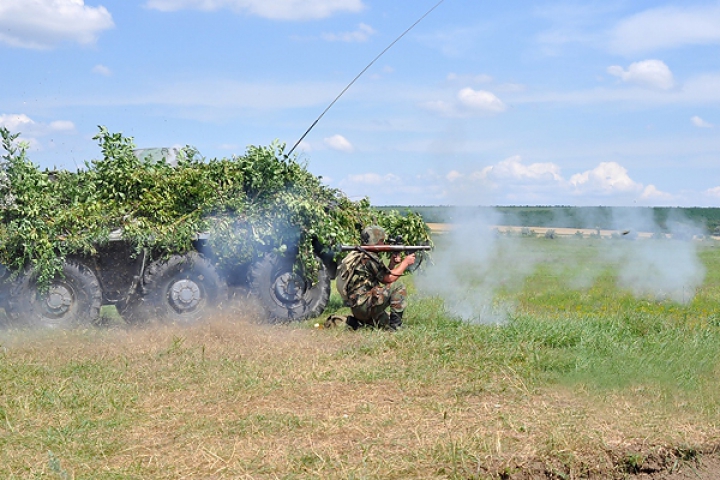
(588, 381)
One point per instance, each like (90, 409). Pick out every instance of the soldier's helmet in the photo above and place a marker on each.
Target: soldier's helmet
(373, 235)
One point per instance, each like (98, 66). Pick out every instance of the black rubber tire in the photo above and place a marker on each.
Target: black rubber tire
(182, 289)
(4, 296)
(286, 295)
(72, 300)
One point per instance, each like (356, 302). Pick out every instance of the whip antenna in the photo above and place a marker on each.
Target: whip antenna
(360, 74)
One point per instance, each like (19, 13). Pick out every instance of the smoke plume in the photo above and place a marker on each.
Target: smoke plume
(475, 269)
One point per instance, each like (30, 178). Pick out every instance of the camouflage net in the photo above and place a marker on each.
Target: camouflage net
(249, 205)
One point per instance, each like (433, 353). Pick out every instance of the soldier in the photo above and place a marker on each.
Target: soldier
(369, 287)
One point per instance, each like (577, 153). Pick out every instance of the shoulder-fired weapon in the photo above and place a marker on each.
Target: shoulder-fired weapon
(384, 248)
(375, 249)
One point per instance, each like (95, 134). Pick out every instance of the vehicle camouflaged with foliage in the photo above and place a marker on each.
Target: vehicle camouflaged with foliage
(168, 241)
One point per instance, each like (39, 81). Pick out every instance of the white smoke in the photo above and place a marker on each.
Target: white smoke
(470, 268)
(475, 270)
(661, 267)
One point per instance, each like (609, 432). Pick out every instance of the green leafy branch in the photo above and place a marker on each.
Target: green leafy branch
(249, 205)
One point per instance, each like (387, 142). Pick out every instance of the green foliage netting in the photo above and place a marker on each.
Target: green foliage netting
(249, 205)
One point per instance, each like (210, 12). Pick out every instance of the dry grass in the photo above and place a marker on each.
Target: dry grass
(232, 399)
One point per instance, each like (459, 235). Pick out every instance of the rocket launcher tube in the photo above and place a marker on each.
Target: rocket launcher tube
(384, 248)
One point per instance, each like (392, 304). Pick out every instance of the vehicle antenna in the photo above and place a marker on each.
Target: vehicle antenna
(359, 75)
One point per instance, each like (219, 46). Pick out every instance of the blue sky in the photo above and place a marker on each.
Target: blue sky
(483, 103)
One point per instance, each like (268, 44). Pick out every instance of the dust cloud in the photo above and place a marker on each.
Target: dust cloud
(475, 268)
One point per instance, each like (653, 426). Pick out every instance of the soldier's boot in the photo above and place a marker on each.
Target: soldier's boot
(352, 322)
(395, 320)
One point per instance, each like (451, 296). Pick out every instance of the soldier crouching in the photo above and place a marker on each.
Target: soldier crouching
(371, 287)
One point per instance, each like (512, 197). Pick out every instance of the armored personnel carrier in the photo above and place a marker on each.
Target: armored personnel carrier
(165, 234)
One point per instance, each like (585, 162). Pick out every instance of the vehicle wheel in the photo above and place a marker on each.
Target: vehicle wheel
(285, 294)
(72, 299)
(182, 289)
(4, 296)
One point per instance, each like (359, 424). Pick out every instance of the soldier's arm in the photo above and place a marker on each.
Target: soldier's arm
(399, 269)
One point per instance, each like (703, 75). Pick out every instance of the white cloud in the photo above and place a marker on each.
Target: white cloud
(480, 100)
(652, 193)
(21, 123)
(512, 169)
(62, 126)
(667, 27)
(699, 122)
(305, 146)
(362, 34)
(102, 70)
(30, 131)
(339, 143)
(15, 122)
(276, 9)
(700, 90)
(648, 73)
(512, 181)
(453, 175)
(466, 103)
(509, 180)
(713, 192)
(42, 24)
(373, 179)
(606, 178)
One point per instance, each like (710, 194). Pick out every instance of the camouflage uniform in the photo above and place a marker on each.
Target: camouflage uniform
(369, 297)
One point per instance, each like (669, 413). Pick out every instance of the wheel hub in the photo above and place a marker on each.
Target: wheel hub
(58, 301)
(185, 295)
(289, 287)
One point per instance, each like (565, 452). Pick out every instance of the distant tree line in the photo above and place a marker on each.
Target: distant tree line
(665, 219)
